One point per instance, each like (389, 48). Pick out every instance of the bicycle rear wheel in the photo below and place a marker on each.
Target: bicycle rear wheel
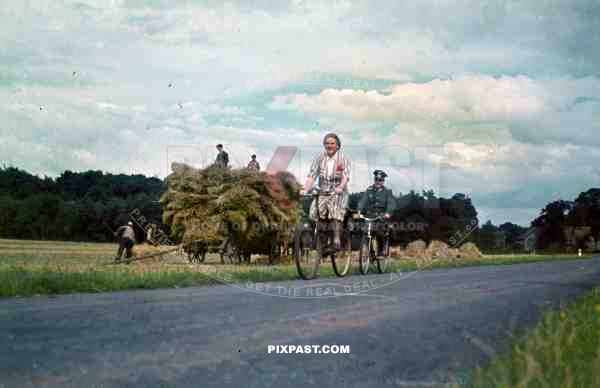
(365, 255)
(307, 251)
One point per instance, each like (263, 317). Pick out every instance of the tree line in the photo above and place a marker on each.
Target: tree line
(559, 219)
(86, 206)
(427, 217)
(76, 206)
(561, 226)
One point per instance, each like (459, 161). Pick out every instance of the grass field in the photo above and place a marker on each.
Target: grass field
(53, 267)
(562, 351)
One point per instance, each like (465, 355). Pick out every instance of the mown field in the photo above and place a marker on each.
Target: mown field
(52, 267)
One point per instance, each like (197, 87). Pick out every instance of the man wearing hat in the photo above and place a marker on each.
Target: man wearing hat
(222, 157)
(126, 236)
(377, 200)
(253, 164)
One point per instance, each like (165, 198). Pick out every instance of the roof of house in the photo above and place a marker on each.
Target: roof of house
(525, 235)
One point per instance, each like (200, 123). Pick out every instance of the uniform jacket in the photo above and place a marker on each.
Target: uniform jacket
(376, 201)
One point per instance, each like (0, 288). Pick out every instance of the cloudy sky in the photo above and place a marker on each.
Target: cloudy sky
(499, 99)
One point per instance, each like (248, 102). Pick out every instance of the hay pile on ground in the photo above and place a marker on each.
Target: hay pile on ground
(437, 249)
(470, 251)
(207, 206)
(416, 249)
(396, 251)
(454, 253)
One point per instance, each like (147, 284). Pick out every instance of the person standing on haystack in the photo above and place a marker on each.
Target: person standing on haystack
(222, 157)
(333, 169)
(253, 164)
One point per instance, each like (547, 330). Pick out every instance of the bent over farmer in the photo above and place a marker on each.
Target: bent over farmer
(126, 236)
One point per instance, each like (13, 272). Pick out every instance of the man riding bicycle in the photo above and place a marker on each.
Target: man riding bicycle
(377, 201)
(333, 169)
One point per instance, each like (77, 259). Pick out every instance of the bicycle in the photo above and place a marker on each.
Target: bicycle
(314, 240)
(369, 247)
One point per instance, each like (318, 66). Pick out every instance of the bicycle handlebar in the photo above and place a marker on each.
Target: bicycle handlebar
(314, 193)
(372, 219)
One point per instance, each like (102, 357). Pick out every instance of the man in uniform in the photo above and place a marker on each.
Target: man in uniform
(126, 236)
(222, 157)
(333, 169)
(253, 164)
(376, 201)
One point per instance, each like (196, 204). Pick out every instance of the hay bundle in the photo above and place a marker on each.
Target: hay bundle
(470, 251)
(207, 206)
(454, 253)
(416, 249)
(396, 251)
(437, 249)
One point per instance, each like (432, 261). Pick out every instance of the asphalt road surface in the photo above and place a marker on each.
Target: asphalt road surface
(427, 329)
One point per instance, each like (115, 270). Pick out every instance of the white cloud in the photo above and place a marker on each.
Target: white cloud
(464, 99)
(516, 79)
(87, 157)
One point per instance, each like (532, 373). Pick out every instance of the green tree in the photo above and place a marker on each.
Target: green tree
(551, 222)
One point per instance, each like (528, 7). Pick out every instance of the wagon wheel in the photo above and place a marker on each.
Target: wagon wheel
(192, 256)
(227, 258)
(224, 251)
(275, 254)
(230, 254)
(245, 257)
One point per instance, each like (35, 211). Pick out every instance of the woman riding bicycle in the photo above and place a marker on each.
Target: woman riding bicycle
(333, 170)
(377, 201)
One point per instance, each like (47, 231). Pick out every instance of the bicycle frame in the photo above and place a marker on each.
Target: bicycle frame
(321, 241)
(368, 236)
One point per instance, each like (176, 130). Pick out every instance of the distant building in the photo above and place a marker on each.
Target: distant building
(528, 239)
(581, 237)
(500, 240)
(575, 235)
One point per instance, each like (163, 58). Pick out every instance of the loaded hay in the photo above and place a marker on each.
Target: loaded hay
(255, 210)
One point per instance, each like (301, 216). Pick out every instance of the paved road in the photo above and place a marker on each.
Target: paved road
(429, 327)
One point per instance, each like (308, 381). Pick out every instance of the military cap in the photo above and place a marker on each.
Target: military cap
(379, 174)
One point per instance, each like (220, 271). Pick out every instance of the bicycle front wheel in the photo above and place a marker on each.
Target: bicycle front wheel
(365, 254)
(307, 251)
(340, 261)
(383, 262)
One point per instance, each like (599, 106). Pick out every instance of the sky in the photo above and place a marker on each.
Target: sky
(497, 99)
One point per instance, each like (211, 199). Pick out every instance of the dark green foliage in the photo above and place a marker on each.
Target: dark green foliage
(584, 211)
(513, 233)
(428, 217)
(75, 206)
